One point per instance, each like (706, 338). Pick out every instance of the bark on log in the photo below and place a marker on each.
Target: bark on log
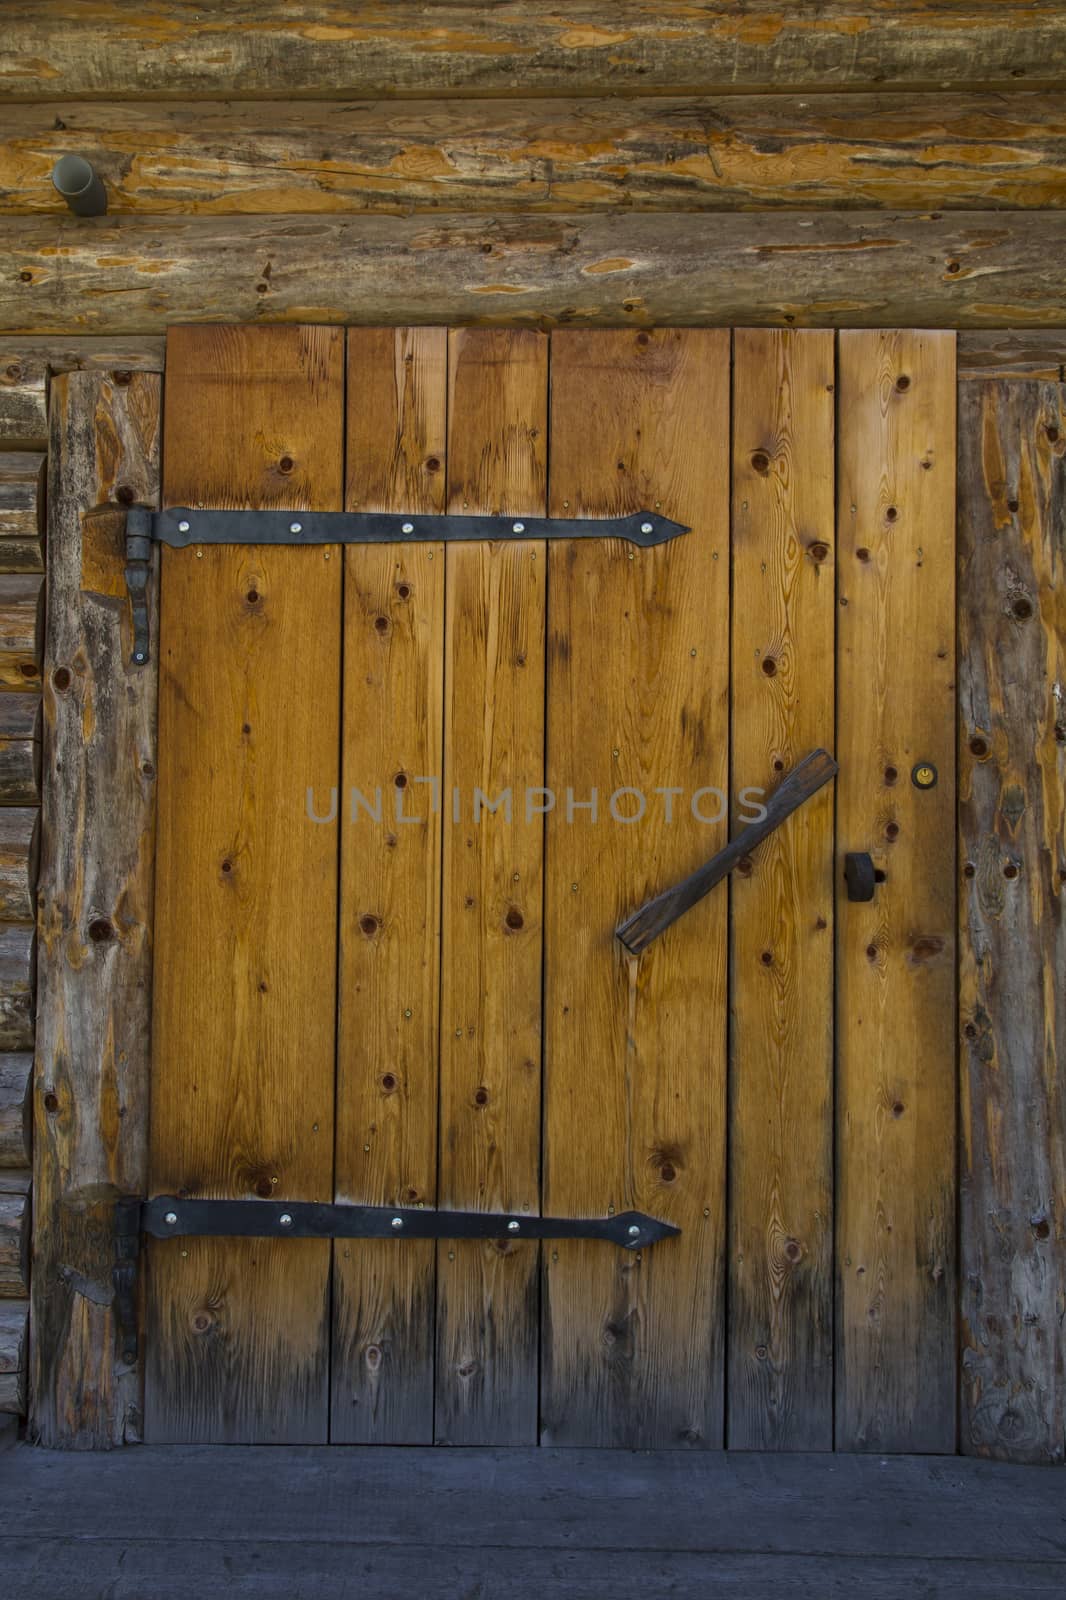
(963, 152)
(14, 1245)
(97, 849)
(14, 1330)
(20, 749)
(635, 46)
(846, 269)
(21, 512)
(18, 957)
(21, 608)
(1012, 993)
(15, 1074)
(19, 841)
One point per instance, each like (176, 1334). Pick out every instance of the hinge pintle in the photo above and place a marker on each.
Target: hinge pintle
(138, 566)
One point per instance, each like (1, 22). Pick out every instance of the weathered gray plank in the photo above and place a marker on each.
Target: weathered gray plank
(853, 269)
(19, 841)
(21, 605)
(637, 46)
(20, 749)
(14, 1325)
(949, 151)
(554, 1500)
(14, 1245)
(91, 1081)
(15, 1073)
(1012, 353)
(1012, 820)
(25, 367)
(17, 986)
(21, 511)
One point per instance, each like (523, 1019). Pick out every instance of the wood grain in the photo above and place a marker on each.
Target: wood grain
(20, 749)
(1012, 353)
(95, 911)
(328, 50)
(638, 684)
(948, 151)
(1012, 1001)
(781, 1046)
(245, 980)
(14, 1355)
(487, 1304)
(384, 1294)
(848, 269)
(14, 1245)
(19, 855)
(16, 1074)
(22, 511)
(21, 606)
(895, 1241)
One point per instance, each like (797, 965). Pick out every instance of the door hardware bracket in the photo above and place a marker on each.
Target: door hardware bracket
(181, 526)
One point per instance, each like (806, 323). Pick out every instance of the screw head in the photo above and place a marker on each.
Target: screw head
(646, 527)
(397, 1222)
(513, 1227)
(183, 527)
(138, 655)
(285, 1219)
(633, 1231)
(296, 527)
(518, 527)
(407, 527)
(170, 1218)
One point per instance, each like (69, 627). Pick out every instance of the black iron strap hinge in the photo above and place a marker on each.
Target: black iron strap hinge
(180, 526)
(169, 1217)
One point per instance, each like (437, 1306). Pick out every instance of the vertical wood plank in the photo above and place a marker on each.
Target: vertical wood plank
(487, 1336)
(781, 1049)
(91, 1075)
(1012, 777)
(245, 976)
(384, 1299)
(638, 686)
(896, 953)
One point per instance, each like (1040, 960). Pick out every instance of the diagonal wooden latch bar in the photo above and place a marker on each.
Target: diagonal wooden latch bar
(655, 916)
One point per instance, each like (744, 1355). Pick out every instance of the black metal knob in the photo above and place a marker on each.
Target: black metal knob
(859, 875)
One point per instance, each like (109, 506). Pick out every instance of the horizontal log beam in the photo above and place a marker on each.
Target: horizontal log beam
(850, 269)
(953, 151)
(21, 606)
(27, 363)
(16, 1074)
(14, 1245)
(14, 1335)
(20, 750)
(257, 47)
(22, 511)
(19, 836)
(1013, 353)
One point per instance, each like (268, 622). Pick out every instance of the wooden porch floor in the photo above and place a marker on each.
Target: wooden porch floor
(302, 1524)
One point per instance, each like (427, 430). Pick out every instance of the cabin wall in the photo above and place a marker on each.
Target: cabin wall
(848, 165)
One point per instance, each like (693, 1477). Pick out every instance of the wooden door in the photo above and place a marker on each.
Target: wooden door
(407, 794)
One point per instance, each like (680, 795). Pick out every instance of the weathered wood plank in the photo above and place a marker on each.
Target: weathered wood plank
(20, 749)
(781, 1044)
(492, 895)
(19, 854)
(21, 607)
(958, 151)
(18, 977)
(22, 511)
(852, 269)
(1012, 816)
(246, 900)
(16, 1072)
(895, 1236)
(1013, 353)
(635, 1070)
(14, 1244)
(14, 1330)
(27, 362)
(91, 1078)
(642, 47)
(384, 1297)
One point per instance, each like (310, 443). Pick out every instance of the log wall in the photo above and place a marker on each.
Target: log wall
(862, 163)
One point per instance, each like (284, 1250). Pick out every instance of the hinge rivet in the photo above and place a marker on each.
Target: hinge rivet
(512, 1227)
(397, 1222)
(183, 527)
(518, 527)
(285, 1219)
(646, 527)
(634, 1231)
(170, 1218)
(296, 527)
(408, 527)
